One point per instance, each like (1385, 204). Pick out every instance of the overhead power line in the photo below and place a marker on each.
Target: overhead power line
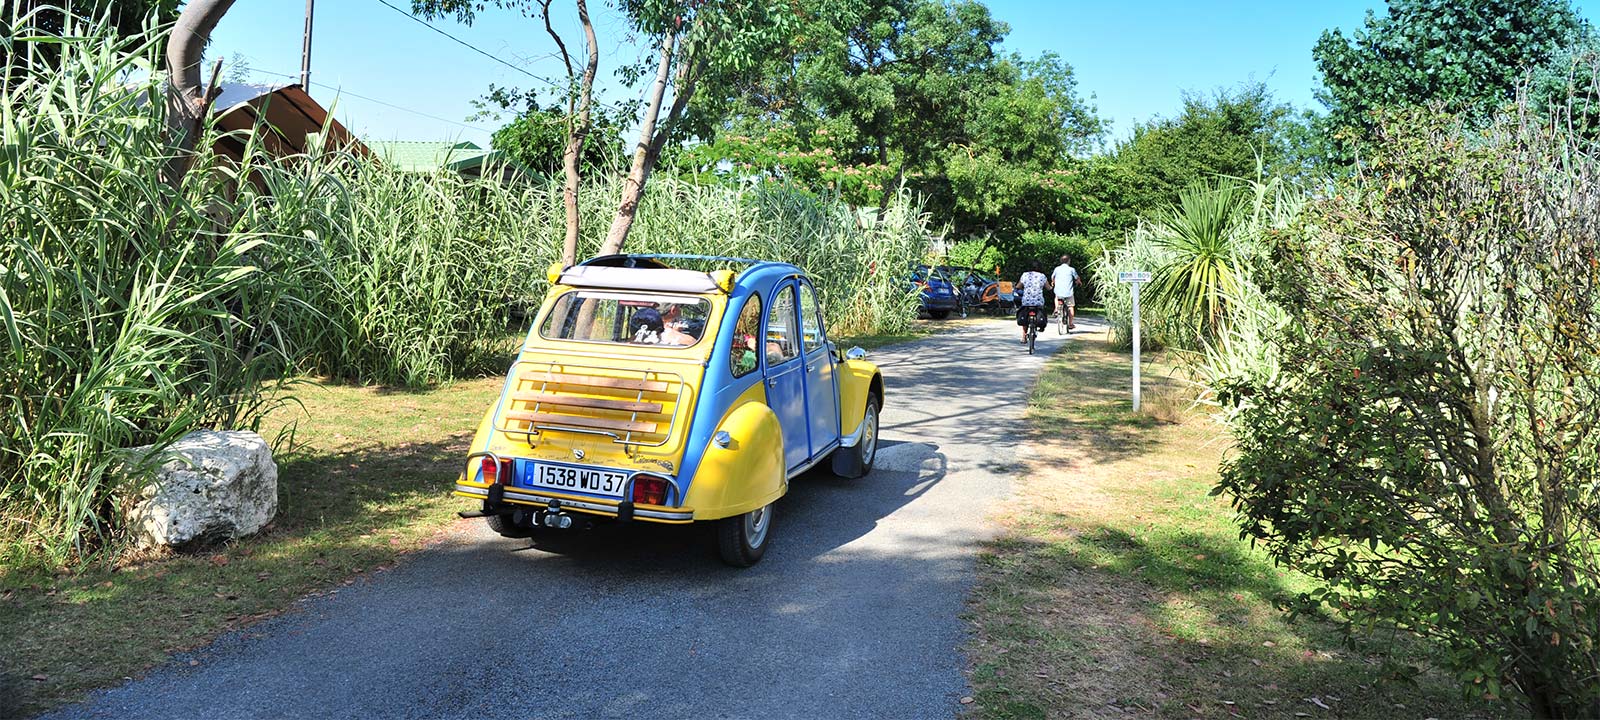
(563, 87)
(343, 91)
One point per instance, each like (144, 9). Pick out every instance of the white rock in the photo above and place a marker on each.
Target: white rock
(212, 487)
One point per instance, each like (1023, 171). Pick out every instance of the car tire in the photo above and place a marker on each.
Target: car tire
(938, 314)
(856, 461)
(505, 527)
(743, 539)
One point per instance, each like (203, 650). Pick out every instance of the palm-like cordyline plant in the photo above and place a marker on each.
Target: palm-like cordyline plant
(1203, 235)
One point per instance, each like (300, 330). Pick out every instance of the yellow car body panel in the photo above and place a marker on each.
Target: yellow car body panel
(542, 366)
(747, 474)
(857, 379)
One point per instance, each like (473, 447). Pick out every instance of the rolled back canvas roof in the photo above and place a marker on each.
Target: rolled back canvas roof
(622, 278)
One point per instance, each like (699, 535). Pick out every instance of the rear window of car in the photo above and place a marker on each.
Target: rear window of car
(625, 319)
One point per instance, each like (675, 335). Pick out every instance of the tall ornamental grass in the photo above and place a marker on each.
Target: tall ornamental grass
(856, 259)
(132, 311)
(128, 308)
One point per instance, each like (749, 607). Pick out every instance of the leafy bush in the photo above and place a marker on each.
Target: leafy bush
(1420, 433)
(856, 259)
(981, 255)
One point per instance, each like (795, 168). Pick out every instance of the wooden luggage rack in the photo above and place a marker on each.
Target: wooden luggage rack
(632, 407)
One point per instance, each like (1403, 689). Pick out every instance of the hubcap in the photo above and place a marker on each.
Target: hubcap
(756, 523)
(869, 435)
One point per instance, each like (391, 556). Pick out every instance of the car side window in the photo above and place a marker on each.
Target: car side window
(742, 357)
(780, 328)
(811, 318)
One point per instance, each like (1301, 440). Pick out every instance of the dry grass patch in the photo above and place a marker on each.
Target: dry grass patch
(1121, 588)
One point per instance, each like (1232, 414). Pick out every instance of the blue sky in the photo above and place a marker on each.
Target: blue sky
(1135, 58)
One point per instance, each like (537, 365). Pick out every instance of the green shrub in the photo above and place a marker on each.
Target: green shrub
(1415, 422)
(1139, 253)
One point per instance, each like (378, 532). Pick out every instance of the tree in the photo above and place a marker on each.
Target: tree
(187, 102)
(916, 92)
(1468, 56)
(539, 138)
(1422, 435)
(717, 44)
(1235, 133)
(578, 95)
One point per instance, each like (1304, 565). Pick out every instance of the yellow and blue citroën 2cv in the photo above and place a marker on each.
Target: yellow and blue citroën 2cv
(650, 391)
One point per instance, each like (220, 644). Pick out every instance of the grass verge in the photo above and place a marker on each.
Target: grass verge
(1120, 586)
(365, 481)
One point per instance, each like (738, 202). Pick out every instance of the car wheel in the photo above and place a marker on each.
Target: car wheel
(856, 461)
(938, 314)
(506, 527)
(742, 539)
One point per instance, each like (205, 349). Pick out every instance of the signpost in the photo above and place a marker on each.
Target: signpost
(1135, 279)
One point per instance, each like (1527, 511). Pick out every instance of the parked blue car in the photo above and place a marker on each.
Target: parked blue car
(939, 296)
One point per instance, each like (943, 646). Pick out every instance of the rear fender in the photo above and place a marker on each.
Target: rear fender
(747, 474)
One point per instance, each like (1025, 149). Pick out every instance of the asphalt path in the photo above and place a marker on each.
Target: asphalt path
(853, 613)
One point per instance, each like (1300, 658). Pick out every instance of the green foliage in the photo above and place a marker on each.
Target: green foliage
(132, 312)
(1203, 236)
(979, 255)
(124, 18)
(1139, 253)
(1468, 57)
(537, 138)
(1417, 430)
(1240, 133)
(918, 93)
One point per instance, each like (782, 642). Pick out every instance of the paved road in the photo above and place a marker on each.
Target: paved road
(852, 614)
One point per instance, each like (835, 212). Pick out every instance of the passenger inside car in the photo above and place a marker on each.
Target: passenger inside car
(676, 330)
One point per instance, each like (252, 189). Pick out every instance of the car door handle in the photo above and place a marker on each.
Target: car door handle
(772, 382)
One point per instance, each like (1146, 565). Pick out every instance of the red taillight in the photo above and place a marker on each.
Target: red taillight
(491, 470)
(650, 490)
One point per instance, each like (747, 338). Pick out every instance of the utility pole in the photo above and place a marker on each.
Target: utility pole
(305, 50)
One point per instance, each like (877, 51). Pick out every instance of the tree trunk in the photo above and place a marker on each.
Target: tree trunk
(577, 135)
(578, 120)
(643, 160)
(187, 102)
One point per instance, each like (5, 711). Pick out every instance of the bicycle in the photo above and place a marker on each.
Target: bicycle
(1061, 318)
(1032, 329)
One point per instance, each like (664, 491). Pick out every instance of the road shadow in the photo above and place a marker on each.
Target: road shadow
(820, 513)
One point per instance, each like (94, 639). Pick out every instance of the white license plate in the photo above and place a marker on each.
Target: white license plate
(573, 478)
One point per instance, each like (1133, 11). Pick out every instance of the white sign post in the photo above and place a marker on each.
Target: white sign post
(1135, 279)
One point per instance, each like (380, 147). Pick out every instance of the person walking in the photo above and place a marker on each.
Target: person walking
(1065, 276)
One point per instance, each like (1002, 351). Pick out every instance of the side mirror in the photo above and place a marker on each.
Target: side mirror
(855, 353)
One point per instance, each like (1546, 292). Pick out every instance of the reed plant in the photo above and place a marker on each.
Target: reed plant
(133, 311)
(125, 303)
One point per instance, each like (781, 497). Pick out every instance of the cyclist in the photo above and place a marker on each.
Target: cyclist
(1065, 276)
(1030, 294)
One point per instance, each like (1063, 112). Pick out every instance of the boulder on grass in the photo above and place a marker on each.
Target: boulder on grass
(214, 486)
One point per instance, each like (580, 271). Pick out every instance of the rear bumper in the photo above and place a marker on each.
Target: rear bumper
(940, 303)
(535, 498)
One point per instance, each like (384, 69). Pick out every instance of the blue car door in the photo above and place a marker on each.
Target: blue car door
(785, 375)
(822, 393)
